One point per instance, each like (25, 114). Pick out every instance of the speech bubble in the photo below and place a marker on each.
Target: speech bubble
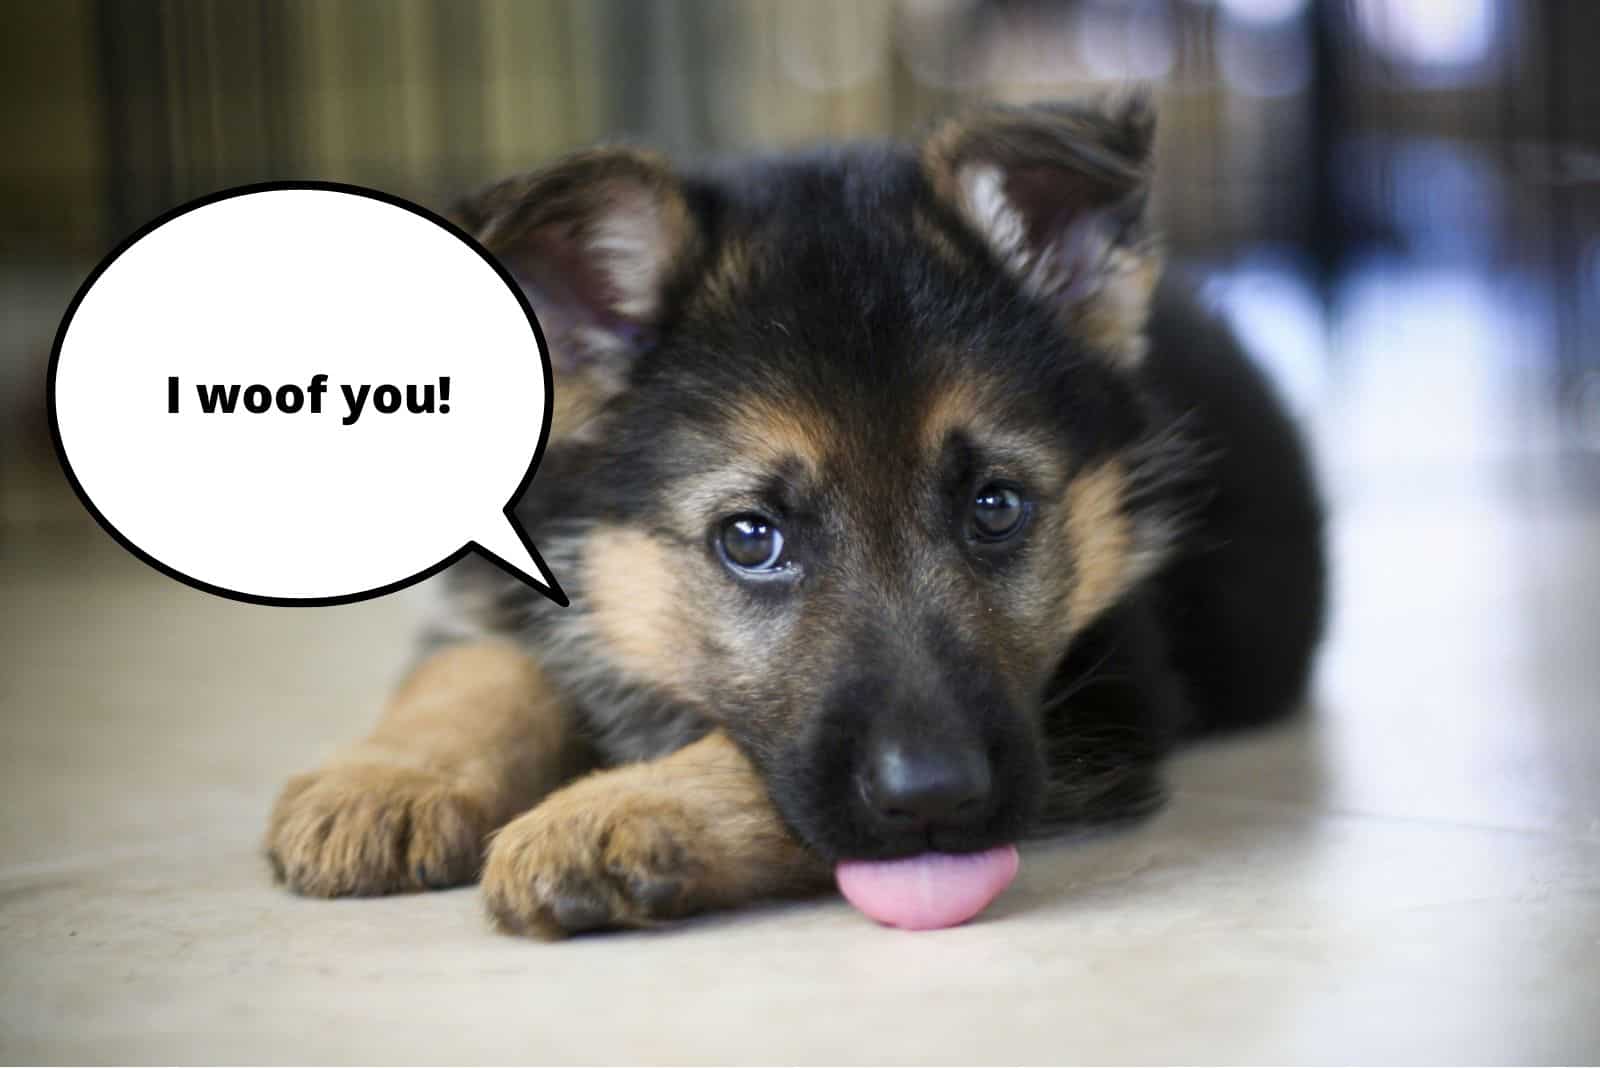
(304, 393)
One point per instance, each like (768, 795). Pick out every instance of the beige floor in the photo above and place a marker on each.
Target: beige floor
(1410, 874)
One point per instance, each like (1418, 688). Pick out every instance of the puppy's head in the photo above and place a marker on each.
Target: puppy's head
(852, 447)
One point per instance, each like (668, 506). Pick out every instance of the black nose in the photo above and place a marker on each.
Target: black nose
(912, 786)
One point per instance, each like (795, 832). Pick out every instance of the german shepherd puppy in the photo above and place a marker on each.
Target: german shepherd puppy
(902, 507)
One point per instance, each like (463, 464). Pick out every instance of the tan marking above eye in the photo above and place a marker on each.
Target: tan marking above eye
(761, 438)
(964, 406)
(951, 406)
(768, 433)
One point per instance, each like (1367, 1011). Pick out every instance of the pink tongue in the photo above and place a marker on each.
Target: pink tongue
(929, 890)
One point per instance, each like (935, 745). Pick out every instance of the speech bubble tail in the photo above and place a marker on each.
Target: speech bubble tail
(508, 545)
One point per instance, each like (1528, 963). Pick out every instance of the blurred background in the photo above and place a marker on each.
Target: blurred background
(1349, 177)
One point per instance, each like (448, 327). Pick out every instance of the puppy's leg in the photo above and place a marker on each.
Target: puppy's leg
(474, 736)
(646, 842)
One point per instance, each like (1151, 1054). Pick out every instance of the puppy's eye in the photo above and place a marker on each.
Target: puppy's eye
(998, 512)
(751, 543)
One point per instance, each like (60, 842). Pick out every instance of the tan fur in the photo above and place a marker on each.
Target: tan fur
(474, 736)
(760, 437)
(1101, 540)
(962, 404)
(767, 433)
(721, 490)
(958, 405)
(644, 843)
(1114, 322)
(631, 584)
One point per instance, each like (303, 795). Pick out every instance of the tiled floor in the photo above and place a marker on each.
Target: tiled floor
(1412, 873)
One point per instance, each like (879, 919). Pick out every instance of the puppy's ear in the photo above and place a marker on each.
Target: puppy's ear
(1058, 192)
(596, 241)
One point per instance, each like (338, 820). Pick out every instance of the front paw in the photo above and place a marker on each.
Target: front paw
(370, 829)
(595, 857)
